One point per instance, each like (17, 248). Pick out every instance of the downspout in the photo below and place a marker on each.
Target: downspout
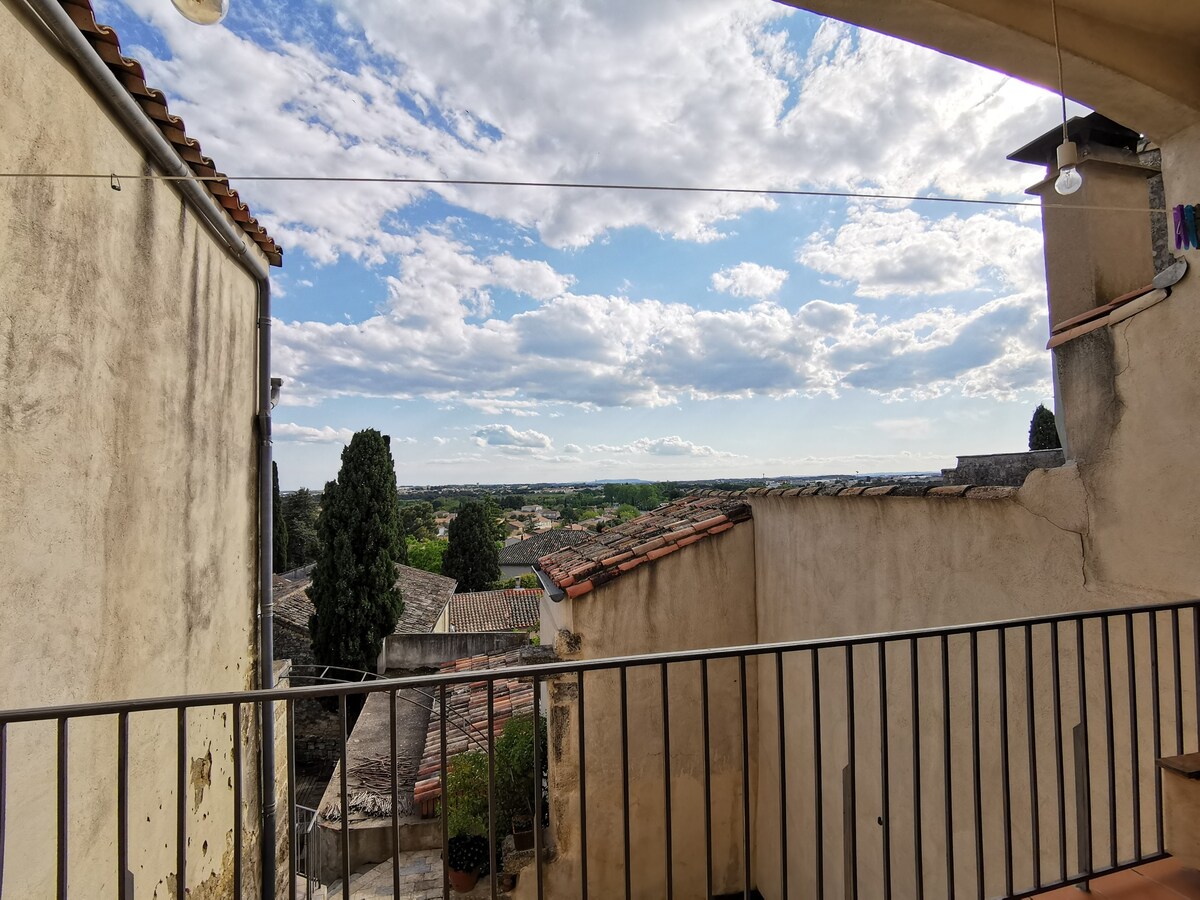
(105, 83)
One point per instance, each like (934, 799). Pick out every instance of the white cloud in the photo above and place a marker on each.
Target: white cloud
(434, 340)
(507, 437)
(665, 446)
(706, 92)
(749, 280)
(899, 252)
(572, 448)
(290, 431)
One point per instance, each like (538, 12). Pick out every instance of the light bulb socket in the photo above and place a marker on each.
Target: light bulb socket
(1068, 155)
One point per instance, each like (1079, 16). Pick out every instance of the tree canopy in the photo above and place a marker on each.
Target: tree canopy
(300, 511)
(416, 520)
(279, 532)
(472, 556)
(354, 583)
(1043, 435)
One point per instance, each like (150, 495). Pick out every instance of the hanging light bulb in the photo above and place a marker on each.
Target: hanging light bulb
(1069, 180)
(202, 12)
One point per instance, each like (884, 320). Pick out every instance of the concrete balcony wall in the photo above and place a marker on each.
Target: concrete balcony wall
(703, 597)
(127, 449)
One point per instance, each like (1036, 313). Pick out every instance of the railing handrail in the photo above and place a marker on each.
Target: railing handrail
(562, 667)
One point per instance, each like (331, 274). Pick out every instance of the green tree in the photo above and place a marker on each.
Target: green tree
(512, 501)
(1043, 435)
(472, 554)
(495, 518)
(416, 520)
(426, 555)
(300, 512)
(626, 512)
(354, 584)
(279, 533)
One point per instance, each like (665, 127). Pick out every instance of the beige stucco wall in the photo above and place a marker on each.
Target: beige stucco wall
(702, 597)
(127, 475)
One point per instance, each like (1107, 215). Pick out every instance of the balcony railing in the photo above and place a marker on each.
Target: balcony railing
(976, 760)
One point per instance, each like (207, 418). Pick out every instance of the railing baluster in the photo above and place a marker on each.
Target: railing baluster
(583, 847)
(781, 716)
(852, 788)
(181, 784)
(1005, 773)
(708, 845)
(395, 791)
(818, 787)
(885, 787)
(1031, 739)
(1111, 752)
(122, 804)
(1195, 668)
(1156, 724)
(947, 786)
(343, 730)
(538, 763)
(444, 801)
(666, 734)
(62, 809)
(1061, 784)
(4, 798)
(1134, 738)
(493, 875)
(975, 781)
(237, 799)
(624, 678)
(914, 669)
(1089, 865)
(293, 831)
(1177, 669)
(746, 873)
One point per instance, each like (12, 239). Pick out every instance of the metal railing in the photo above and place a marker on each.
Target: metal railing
(976, 760)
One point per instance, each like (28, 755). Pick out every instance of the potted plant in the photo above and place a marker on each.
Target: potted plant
(516, 780)
(467, 819)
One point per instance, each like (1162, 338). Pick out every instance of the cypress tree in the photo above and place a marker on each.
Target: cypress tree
(354, 583)
(1042, 433)
(279, 535)
(300, 513)
(472, 556)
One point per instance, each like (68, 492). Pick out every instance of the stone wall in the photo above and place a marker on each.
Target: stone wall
(1004, 469)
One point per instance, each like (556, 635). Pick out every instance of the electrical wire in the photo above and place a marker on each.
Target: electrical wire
(574, 185)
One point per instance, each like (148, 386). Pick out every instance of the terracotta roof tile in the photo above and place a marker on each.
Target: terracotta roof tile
(130, 73)
(658, 533)
(530, 550)
(849, 489)
(466, 720)
(504, 610)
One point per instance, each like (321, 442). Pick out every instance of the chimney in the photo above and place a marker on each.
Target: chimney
(1098, 246)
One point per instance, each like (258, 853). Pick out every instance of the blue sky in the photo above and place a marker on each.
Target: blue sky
(529, 334)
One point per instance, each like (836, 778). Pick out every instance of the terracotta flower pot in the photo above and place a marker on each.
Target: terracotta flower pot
(463, 881)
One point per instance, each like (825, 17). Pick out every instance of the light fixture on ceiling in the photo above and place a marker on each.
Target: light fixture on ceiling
(202, 12)
(1069, 180)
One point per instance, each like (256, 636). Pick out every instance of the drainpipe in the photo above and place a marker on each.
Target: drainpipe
(214, 218)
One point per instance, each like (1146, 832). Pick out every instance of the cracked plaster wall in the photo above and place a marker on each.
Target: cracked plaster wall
(127, 373)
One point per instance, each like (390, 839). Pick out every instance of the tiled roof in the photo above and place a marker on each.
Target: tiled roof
(425, 596)
(530, 550)
(466, 720)
(154, 104)
(495, 610)
(620, 549)
(876, 489)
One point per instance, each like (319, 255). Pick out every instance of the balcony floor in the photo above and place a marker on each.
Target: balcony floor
(1163, 879)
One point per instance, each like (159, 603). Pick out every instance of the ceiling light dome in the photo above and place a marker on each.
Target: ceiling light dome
(202, 12)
